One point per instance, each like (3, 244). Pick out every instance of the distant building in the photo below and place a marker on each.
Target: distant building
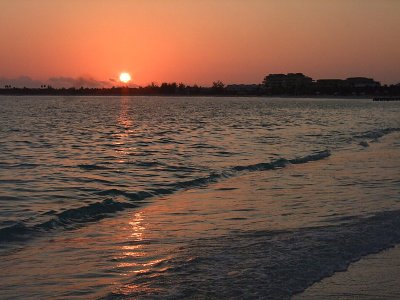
(288, 81)
(331, 83)
(332, 86)
(362, 82)
(243, 89)
(275, 81)
(298, 80)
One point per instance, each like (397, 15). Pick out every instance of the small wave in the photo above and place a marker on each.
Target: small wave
(168, 141)
(224, 153)
(146, 163)
(20, 166)
(96, 211)
(227, 189)
(282, 162)
(141, 195)
(8, 198)
(66, 219)
(160, 192)
(198, 182)
(90, 213)
(141, 154)
(91, 167)
(279, 163)
(172, 168)
(376, 134)
(15, 232)
(312, 157)
(233, 171)
(203, 146)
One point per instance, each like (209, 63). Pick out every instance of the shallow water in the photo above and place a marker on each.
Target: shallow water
(192, 197)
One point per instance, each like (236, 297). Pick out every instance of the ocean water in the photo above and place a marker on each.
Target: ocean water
(154, 197)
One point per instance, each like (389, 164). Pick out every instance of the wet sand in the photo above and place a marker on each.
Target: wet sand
(376, 276)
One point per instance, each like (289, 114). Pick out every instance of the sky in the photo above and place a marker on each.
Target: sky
(90, 42)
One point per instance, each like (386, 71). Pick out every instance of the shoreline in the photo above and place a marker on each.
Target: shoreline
(373, 276)
(364, 97)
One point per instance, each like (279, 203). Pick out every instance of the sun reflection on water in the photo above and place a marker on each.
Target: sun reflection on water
(122, 138)
(133, 256)
(137, 227)
(138, 258)
(124, 118)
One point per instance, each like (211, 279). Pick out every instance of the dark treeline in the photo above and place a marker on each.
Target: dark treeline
(150, 90)
(292, 84)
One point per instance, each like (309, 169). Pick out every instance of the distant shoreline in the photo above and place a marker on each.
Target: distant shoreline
(274, 85)
(22, 92)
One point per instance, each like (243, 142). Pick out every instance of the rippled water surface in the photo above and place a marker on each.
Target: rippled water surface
(192, 197)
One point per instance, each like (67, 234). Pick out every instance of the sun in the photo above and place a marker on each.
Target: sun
(125, 77)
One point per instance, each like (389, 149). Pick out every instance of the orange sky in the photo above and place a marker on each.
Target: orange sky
(200, 41)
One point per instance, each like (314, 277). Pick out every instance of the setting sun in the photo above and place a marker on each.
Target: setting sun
(125, 77)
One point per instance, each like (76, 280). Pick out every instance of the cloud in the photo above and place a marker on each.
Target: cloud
(20, 82)
(56, 82)
(68, 82)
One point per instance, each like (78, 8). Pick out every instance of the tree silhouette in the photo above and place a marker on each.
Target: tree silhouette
(218, 87)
